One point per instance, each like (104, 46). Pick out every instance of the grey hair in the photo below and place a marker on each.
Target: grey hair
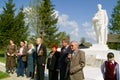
(32, 45)
(75, 42)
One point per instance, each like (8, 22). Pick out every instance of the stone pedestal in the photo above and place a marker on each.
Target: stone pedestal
(97, 54)
(99, 47)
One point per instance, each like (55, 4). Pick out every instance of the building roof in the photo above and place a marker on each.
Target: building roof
(113, 37)
(85, 45)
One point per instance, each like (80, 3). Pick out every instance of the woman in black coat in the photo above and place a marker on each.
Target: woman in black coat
(52, 63)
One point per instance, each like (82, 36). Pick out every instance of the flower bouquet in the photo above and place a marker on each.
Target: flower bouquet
(18, 54)
(40, 53)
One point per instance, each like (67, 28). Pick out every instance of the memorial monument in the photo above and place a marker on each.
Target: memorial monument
(100, 23)
(96, 54)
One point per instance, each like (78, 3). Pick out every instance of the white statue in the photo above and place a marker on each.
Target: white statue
(100, 23)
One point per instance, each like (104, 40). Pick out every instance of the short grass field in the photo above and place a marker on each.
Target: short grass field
(2, 56)
(2, 59)
(3, 75)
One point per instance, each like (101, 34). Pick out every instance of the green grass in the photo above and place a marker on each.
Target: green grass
(3, 75)
(2, 56)
(2, 59)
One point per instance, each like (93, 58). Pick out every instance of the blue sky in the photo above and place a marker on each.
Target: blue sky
(75, 16)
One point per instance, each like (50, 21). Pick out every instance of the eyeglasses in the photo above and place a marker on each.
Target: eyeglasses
(71, 45)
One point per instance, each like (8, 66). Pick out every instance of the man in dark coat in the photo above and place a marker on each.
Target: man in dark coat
(65, 50)
(41, 59)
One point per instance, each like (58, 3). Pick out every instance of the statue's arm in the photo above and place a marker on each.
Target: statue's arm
(94, 19)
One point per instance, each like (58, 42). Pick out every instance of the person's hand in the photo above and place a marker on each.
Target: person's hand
(8, 54)
(58, 70)
(69, 56)
(18, 54)
(12, 54)
(71, 71)
(43, 64)
(30, 52)
(35, 72)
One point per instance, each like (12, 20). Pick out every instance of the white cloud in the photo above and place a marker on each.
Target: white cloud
(86, 24)
(65, 21)
(91, 34)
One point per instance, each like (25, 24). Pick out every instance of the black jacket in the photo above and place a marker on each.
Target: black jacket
(52, 63)
(42, 58)
(63, 55)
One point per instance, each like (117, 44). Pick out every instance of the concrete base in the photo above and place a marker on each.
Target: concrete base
(99, 47)
(97, 54)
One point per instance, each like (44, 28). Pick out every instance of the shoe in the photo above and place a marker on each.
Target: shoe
(8, 71)
(18, 75)
(31, 78)
(11, 72)
(22, 75)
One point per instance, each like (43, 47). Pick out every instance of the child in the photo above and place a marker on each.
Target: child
(110, 68)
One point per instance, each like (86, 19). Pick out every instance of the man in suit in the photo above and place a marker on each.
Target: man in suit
(77, 62)
(65, 50)
(41, 54)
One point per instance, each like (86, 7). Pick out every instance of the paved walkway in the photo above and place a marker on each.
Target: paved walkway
(91, 73)
(13, 76)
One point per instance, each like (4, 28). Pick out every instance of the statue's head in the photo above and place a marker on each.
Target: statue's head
(99, 6)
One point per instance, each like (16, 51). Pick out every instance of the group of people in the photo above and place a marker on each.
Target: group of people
(25, 55)
(69, 62)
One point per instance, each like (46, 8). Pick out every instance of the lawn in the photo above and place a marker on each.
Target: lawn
(3, 75)
(2, 56)
(2, 59)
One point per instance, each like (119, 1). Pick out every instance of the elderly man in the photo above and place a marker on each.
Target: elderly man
(41, 58)
(77, 62)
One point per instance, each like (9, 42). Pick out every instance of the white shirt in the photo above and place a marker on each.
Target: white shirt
(38, 48)
(21, 50)
(67, 46)
(29, 50)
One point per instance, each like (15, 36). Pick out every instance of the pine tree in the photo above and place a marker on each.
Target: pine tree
(11, 26)
(20, 29)
(115, 20)
(6, 23)
(48, 23)
(114, 25)
(46, 27)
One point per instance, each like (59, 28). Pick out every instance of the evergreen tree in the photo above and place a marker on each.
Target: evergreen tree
(114, 25)
(48, 23)
(83, 40)
(46, 27)
(11, 26)
(20, 29)
(6, 23)
(115, 20)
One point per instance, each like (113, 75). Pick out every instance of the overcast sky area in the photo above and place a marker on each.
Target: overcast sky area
(75, 16)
